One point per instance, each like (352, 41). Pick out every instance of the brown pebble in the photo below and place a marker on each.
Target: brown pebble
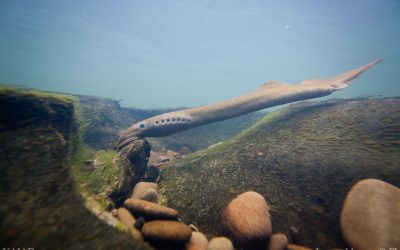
(278, 242)
(142, 187)
(150, 195)
(197, 242)
(248, 219)
(128, 220)
(297, 247)
(149, 210)
(166, 231)
(220, 243)
(370, 217)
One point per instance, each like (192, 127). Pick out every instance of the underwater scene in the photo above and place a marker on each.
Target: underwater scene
(200, 125)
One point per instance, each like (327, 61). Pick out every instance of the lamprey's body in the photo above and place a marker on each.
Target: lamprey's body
(270, 94)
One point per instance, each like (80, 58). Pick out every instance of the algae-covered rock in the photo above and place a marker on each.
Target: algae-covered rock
(39, 207)
(302, 159)
(130, 168)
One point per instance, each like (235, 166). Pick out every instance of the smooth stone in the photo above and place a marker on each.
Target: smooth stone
(370, 217)
(248, 219)
(198, 241)
(141, 188)
(297, 247)
(129, 221)
(166, 231)
(149, 210)
(220, 243)
(150, 195)
(278, 242)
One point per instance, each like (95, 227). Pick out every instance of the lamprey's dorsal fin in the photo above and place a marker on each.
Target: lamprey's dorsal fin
(343, 80)
(273, 84)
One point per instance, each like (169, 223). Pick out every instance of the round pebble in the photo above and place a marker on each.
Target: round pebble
(166, 231)
(248, 219)
(141, 187)
(370, 217)
(149, 210)
(129, 221)
(150, 195)
(220, 243)
(197, 242)
(278, 242)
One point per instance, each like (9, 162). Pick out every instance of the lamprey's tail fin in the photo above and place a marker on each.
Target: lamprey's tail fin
(343, 80)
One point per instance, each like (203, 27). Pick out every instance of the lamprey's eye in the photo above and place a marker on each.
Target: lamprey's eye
(141, 125)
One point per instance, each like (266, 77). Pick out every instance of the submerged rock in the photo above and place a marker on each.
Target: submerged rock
(149, 210)
(40, 207)
(140, 189)
(247, 218)
(197, 242)
(278, 242)
(220, 243)
(130, 169)
(297, 247)
(129, 221)
(166, 231)
(311, 154)
(370, 217)
(150, 195)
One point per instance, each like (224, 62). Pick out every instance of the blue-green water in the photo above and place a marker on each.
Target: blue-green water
(184, 53)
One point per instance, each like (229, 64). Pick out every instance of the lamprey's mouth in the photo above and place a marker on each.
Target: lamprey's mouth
(124, 143)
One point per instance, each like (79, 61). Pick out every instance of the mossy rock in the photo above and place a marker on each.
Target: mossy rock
(39, 207)
(303, 159)
(130, 168)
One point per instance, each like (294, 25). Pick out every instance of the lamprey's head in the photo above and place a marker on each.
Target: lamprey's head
(135, 132)
(156, 126)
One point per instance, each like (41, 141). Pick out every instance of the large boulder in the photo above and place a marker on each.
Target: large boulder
(303, 159)
(39, 205)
